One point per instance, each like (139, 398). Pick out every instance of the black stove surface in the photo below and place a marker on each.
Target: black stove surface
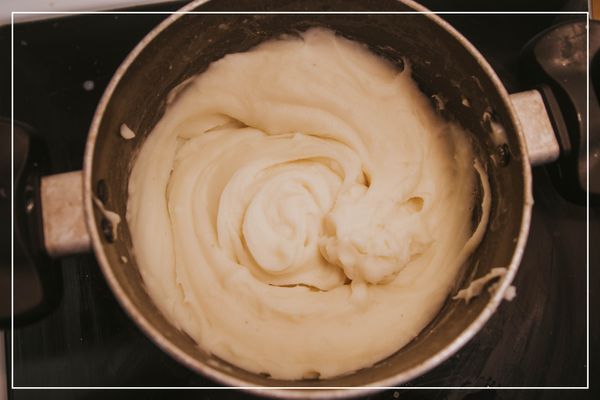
(538, 339)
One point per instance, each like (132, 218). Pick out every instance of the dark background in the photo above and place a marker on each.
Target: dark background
(538, 339)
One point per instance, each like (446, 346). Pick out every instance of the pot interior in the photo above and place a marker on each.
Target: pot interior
(441, 65)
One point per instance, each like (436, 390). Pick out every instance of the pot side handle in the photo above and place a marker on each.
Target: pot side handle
(542, 144)
(64, 227)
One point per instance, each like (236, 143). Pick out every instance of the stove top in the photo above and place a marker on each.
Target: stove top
(539, 339)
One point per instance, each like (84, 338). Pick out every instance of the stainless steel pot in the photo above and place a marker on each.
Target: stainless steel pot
(446, 66)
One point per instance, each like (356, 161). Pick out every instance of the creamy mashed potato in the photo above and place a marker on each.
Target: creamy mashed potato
(300, 210)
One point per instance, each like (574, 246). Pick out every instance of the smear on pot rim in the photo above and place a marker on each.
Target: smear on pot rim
(476, 286)
(300, 210)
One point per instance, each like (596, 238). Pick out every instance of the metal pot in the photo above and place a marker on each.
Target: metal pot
(446, 66)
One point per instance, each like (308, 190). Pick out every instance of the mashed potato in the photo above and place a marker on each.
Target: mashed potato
(300, 210)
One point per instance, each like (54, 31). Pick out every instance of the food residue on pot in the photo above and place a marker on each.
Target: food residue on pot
(300, 210)
(510, 293)
(111, 216)
(477, 285)
(126, 132)
(496, 130)
(465, 102)
(439, 102)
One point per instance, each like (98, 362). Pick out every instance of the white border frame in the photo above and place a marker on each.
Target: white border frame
(369, 388)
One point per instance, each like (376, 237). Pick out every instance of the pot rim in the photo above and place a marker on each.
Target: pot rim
(301, 392)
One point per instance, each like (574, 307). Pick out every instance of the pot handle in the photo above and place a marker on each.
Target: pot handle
(542, 144)
(64, 227)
